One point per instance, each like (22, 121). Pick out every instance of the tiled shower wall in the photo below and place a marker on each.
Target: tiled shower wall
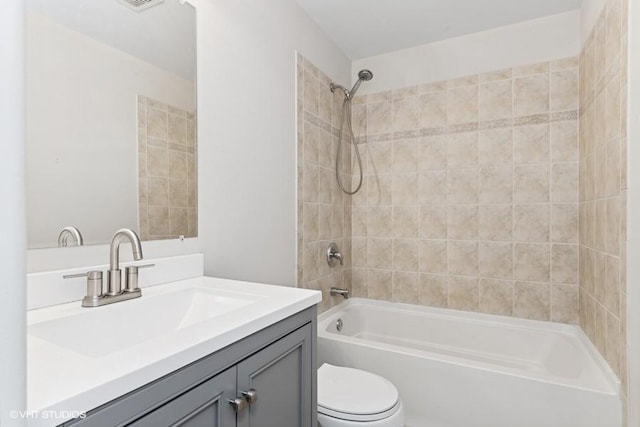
(324, 212)
(603, 122)
(167, 176)
(471, 192)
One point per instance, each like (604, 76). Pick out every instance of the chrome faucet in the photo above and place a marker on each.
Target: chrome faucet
(334, 255)
(95, 296)
(70, 232)
(114, 275)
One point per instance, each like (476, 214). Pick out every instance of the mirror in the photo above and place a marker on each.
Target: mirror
(111, 128)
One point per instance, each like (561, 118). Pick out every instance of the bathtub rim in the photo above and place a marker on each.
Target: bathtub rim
(613, 384)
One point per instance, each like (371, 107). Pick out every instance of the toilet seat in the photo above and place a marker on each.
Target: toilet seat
(355, 395)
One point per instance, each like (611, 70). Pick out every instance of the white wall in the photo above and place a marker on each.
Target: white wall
(529, 42)
(82, 131)
(247, 132)
(589, 13)
(12, 213)
(633, 216)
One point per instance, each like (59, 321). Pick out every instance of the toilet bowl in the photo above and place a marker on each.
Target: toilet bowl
(350, 397)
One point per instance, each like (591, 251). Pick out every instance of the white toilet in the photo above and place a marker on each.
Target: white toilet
(350, 397)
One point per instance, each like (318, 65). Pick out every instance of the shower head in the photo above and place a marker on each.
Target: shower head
(363, 76)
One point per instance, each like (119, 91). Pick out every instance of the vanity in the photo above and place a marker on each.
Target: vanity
(199, 351)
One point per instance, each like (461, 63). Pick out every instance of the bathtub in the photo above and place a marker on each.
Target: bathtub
(461, 369)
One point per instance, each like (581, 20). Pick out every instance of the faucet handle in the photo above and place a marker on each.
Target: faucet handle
(131, 277)
(94, 283)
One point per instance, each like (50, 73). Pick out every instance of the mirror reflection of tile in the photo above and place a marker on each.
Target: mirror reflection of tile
(167, 176)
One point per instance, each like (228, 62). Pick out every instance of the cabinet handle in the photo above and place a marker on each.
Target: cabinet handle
(239, 403)
(251, 396)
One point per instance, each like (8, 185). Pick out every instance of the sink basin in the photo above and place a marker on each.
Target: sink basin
(96, 332)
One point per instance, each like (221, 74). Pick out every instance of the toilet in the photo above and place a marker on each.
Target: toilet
(350, 397)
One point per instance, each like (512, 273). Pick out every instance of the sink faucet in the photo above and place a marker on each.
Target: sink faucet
(70, 232)
(114, 275)
(95, 296)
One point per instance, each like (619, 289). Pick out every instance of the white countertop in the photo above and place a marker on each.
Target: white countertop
(92, 369)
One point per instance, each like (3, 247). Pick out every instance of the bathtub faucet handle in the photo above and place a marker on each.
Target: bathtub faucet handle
(333, 255)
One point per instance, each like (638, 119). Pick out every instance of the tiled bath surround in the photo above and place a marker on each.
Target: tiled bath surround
(471, 194)
(603, 159)
(324, 212)
(167, 176)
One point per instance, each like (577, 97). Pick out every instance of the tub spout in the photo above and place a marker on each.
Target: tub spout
(339, 292)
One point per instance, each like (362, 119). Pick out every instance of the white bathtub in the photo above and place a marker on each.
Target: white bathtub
(461, 369)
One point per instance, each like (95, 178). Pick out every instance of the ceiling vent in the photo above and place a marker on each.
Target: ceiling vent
(139, 5)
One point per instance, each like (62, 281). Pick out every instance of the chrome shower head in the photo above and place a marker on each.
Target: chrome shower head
(365, 75)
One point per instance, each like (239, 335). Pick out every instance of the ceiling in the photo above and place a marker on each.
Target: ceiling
(363, 28)
(163, 35)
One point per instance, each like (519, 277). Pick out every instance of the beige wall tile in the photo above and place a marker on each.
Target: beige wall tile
(462, 104)
(564, 264)
(495, 260)
(405, 156)
(406, 114)
(496, 185)
(433, 153)
(380, 284)
(531, 184)
(379, 190)
(495, 222)
(462, 222)
(433, 188)
(380, 253)
(564, 182)
(532, 300)
(564, 141)
(433, 109)
(531, 223)
(564, 304)
(463, 258)
(531, 144)
(158, 191)
(462, 186)
(495, 100)
(531, 262)
(405, 287)
(380, 155)
(531, 95)
(495, 147)
(563, 87)
(496, 297)
(433, 290)
(462, 150)
(405, 254)
(380, 221)
(405, 189)
(379, 117)
(463, 293)
(433, 222)
(433, 256)
(539, 68)
(564, 223)
(406, 221)
(158, 220)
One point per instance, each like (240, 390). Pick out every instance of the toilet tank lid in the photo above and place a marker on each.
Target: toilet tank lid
(353, 391)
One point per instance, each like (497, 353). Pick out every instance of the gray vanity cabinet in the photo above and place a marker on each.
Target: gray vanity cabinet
(207, 405)
(279, 377)
(275, 365)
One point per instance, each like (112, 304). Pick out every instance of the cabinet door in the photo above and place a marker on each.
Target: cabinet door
(206, 405)
(282, 377)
